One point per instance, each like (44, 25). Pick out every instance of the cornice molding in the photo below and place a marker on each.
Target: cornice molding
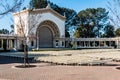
(41, 11)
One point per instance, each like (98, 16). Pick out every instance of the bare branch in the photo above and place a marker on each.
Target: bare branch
(34, 22)
(26, 30)
(114, 6)
(8, 6)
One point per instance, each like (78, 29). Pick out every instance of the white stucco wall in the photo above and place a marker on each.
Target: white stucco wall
(47, 16)
(34, 19)
(23, 18)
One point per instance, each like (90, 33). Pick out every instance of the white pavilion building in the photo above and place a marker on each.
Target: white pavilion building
(45, 28)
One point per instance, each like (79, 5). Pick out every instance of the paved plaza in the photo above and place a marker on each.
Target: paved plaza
(47, 71)
(54, 72)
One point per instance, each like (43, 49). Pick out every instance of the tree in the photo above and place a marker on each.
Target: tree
(4, 31)
(117, 32)
(77, 33)
(37, 4)
(92, 21)
(113, 6)
(67, 34)
(7, 6)
(84, 31)
(12, 29)
(114, 17)
(25, 32)
(109, 31)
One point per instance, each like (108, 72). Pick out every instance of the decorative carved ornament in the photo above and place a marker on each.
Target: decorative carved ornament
(52, 26)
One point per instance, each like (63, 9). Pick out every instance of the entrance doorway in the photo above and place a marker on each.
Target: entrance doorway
(45, 37)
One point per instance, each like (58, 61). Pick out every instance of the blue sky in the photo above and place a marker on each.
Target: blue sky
(77, 5)
(81, 4)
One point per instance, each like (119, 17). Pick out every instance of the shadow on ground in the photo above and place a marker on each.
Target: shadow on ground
(18, 59)
(8, 60)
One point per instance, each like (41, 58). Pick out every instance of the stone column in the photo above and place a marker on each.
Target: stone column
(84, 44)
(104, 43)
(109, 43)
(76, 45)
(37, 43)
(2, 43)
(94, 43)
(10, 44)
(15, 43)
(118, 43)
(7, 45)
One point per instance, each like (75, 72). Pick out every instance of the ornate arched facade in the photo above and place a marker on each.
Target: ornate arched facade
(48, 27)
(46, 32)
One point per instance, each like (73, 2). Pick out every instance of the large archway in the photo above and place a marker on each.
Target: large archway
(46, 33)
(45, 37)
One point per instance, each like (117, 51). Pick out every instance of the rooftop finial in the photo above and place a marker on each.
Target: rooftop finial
(48, 6)
(64, 14)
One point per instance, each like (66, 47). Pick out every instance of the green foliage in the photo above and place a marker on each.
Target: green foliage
(117, 32)
(67, 34)
(12, 29)
(91, 22)
(38, 4)
(4, 31)
(77, 34)
(84, 31)
(109, 31)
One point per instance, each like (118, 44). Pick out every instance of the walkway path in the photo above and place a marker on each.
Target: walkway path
(51, 72)
(45, 71)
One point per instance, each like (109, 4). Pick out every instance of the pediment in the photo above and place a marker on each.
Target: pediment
(49, 10)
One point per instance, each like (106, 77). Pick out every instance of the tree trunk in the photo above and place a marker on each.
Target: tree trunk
(25, 55)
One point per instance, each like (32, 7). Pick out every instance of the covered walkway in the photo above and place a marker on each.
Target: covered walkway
(8, 42)
(94, 42)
